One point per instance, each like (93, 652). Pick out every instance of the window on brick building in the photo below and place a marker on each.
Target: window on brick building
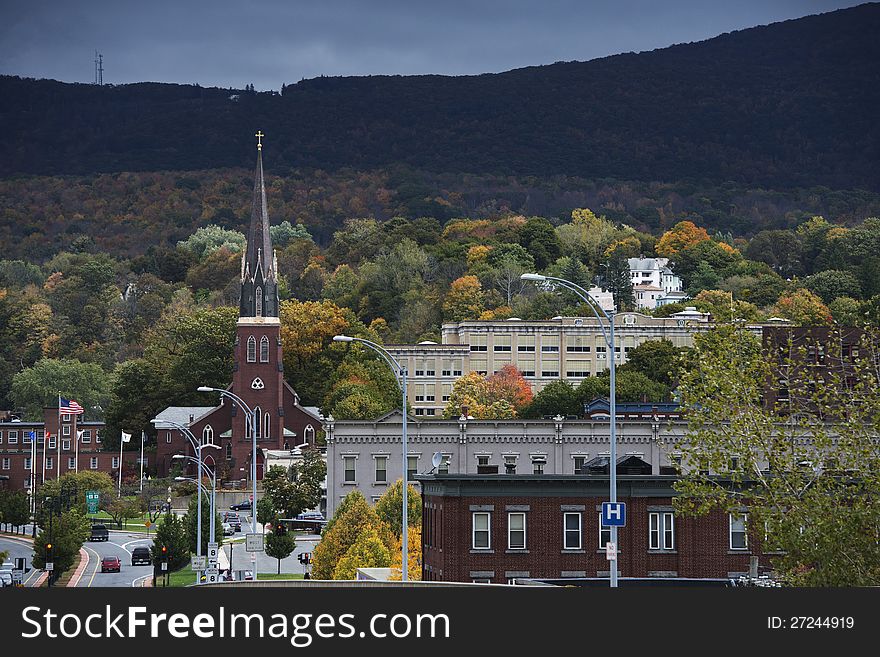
(264, 349)
(50, 463)
(6, 463)
(571, 524)
(661, 531)
(229, 451)
(516, 531)
(27, 462)
(738, 538)
(115, 463)
(71, 463)
(252, 350)
(87, 436)
(93, 463)
(481, 539)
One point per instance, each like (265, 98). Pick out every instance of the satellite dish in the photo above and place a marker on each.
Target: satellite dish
(436, 459)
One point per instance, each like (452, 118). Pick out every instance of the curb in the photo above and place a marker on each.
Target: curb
(83, 564)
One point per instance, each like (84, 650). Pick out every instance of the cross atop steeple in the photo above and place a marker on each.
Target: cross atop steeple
(259, 135)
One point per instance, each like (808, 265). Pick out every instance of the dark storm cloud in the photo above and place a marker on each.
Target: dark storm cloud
(270, 42)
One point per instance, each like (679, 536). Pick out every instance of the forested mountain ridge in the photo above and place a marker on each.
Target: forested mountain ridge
(791, 104)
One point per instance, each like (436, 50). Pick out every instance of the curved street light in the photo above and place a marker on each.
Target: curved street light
(197, 446)
(253, 419)
(400, 374)
(212, 507)
(596, 307)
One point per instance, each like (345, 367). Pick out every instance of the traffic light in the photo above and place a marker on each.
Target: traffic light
(280, 529)
(164, 554)
(48, 558)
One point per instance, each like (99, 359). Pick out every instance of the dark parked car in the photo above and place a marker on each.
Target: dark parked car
(141, 555)
(111, 565)
(99, 533)
(241, 506)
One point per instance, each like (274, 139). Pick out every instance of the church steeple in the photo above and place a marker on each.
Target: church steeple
(259, 283)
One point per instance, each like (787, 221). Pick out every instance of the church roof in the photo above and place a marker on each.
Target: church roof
(181, 415)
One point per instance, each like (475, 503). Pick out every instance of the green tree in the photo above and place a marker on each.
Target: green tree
(809, 478)
(830, 284)
(616, 279)
(389, 507)
(191, 523)
(172, 535)
(539, 238)
(656, 359)
(14, 508)
(67, 532)
(284, 233)
(208, 239)
(298, 488)
(556, 398)
(38, 387)
(280, 546)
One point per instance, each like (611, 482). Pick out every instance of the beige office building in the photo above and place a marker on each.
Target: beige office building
(568, 348)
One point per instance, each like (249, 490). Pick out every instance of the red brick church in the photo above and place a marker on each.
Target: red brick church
(258, 374)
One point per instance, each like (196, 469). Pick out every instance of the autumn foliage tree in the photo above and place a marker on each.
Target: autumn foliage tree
(354, 521)
(681, 236)
(500, 396)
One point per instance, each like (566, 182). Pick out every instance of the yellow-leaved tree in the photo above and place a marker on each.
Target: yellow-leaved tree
(353, 518)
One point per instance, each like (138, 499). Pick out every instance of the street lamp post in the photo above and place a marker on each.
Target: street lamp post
(197, 448)
(212, 507)
(596, 307)
(400, 374)
(253, 419)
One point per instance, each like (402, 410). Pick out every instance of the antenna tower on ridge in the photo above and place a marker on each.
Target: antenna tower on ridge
(99, 69)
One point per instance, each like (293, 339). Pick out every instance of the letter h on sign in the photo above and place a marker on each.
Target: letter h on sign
(613, 514)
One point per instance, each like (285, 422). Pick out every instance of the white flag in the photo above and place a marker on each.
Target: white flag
(126, 437)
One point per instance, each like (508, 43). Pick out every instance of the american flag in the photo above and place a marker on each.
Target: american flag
(69, 406)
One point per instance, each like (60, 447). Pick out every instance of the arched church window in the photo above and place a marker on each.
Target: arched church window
(252, 350)
(259, 299)
(208, 435)
(264, 349)
(258, 413)
(267, 422)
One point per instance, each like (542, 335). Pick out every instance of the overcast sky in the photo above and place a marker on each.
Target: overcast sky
(230, 43)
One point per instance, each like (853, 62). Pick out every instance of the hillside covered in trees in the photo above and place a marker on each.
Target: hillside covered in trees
(787, 105)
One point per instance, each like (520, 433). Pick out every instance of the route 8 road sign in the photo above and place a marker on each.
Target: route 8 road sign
(212, 553)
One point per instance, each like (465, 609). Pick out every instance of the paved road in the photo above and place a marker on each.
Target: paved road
(241, 559)
(120, 545)
(21, 549)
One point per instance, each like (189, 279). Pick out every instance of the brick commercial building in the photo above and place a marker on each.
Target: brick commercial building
(258, 373)
(497, 528)
(62, 443)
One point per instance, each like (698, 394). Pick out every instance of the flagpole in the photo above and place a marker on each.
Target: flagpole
(58, 442)
(142, 463)
(76, 453)
(121, 441)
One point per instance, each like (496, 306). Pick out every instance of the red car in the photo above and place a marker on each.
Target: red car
(110, 565)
